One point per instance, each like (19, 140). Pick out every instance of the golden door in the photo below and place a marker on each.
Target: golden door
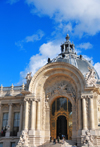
(61, 107)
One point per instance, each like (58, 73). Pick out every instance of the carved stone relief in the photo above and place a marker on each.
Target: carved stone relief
(90, 78)
(88, 139)
(23, 141)
(60, 88)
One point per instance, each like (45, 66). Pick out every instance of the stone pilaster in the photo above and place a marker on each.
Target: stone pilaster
(26, 115)
(84, 114)
(91, 114)
(33, 115)
(21, 117)
(80, 114)
(38, 116)
(9, 120)
(10, 115)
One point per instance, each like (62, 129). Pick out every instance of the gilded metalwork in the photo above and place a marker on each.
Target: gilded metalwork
(64, 112)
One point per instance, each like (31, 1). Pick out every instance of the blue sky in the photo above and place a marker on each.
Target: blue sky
(33, 30)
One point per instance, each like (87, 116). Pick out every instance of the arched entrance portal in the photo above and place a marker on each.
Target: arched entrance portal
(61, 118)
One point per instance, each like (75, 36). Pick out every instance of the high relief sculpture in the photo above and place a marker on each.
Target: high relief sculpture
(23, 141)
(90, 78)
(88, 139)
(62, 87)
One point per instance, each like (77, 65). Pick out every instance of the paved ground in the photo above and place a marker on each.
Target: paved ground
(67, 143)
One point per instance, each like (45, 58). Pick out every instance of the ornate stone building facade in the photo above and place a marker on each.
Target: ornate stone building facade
(62, 98)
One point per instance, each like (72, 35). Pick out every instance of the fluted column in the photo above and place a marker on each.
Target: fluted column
(21, 116)
(84, 114)
(26, 115)
(33, 115)
(91, 114)
(80, 114)
(38, 116)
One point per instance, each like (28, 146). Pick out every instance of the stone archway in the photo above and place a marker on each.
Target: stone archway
(46, 86)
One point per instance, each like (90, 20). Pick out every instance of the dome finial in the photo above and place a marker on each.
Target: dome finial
(67, 37)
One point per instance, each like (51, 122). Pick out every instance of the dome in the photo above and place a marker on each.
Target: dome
(68, 55)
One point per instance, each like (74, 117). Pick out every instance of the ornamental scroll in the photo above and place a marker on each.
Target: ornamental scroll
(60, 88)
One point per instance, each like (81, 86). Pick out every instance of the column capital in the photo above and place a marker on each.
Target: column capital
(32, 99)
(26, 99)
(86, 96)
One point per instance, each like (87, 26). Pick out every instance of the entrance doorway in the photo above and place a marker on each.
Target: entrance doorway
(62, 127)
(61, 118)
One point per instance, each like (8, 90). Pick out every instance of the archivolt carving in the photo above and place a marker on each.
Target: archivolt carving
(60, 88)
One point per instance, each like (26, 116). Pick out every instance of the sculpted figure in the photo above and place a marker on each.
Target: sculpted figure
(28, 77)
(90, 77)
(88, 140)
(23, 141)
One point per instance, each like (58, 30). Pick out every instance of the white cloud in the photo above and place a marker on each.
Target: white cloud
(50, 49)
(83, 15)
(97, 67)
(12, 1)
(35, 37)
(85, 46)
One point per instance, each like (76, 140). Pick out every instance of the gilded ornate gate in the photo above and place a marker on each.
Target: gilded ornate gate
(61, 106)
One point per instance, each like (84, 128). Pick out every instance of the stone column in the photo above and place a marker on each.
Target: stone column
(10, 115)
(26, 115)
(21, 117)
(91, 114)
(9, 120)
(38, 116)
(33, 115)
(84, 114)
(80, 114)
